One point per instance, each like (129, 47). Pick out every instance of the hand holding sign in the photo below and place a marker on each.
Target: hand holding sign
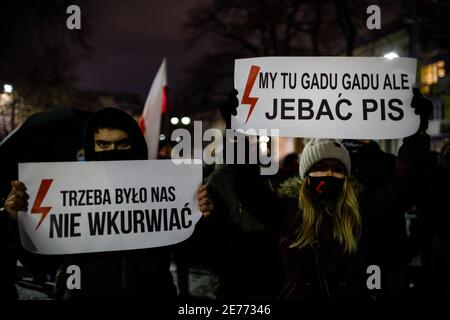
(17, 199)
(423, 107)
(228, 108)
(204, 201)
(129, 205)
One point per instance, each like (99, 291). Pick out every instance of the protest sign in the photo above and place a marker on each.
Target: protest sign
(326, 97)
(79, 207)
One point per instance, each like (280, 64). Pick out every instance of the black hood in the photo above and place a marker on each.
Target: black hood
(116, 119)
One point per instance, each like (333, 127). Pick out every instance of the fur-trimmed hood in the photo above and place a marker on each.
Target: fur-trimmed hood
(290, 189)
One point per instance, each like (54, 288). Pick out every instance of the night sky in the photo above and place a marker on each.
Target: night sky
(130, 40)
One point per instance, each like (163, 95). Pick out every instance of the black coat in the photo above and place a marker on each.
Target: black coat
(381, 243)
(435, 232)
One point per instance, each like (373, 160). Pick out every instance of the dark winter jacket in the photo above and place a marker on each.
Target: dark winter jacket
(243, 251)
(342, 276)
(435, 231)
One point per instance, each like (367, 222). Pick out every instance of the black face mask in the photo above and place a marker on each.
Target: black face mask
(325, 188)
(446, 156)
(445, 160)
(114, 155)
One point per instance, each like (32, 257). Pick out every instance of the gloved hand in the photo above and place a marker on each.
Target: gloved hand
(204, 201)
(17, 199)
(413, 155)
(422, 107)
(229, 107)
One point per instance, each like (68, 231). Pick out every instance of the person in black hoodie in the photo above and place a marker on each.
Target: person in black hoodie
(111, 134)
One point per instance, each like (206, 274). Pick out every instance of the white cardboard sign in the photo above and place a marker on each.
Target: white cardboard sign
(79, 207)
(326, 97)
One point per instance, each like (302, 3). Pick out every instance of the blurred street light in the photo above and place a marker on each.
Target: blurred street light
(174, 120)
(162, 137)
(391, 55)
(185, 120)
(263, 148)
(7, 88)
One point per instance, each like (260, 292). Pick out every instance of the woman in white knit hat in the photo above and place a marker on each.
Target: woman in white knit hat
(327, 193)
(320, 215)
(318, 220)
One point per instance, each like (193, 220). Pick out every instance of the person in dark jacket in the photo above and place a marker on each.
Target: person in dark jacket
(436, 228)
(323, 227)
(111, 134)
(318, 221)
(245, 250)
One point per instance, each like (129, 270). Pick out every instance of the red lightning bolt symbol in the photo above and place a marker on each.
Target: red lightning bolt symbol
(42, 192)
(319, 187)
(246, 99)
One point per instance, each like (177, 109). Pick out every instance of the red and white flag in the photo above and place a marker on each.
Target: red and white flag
(155, 106)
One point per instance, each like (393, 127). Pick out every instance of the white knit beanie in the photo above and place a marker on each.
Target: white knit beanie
(319, 149)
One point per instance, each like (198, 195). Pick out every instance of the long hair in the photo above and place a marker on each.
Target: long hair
(344, 213)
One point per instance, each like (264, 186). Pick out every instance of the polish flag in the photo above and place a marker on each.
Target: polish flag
(155, 106)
